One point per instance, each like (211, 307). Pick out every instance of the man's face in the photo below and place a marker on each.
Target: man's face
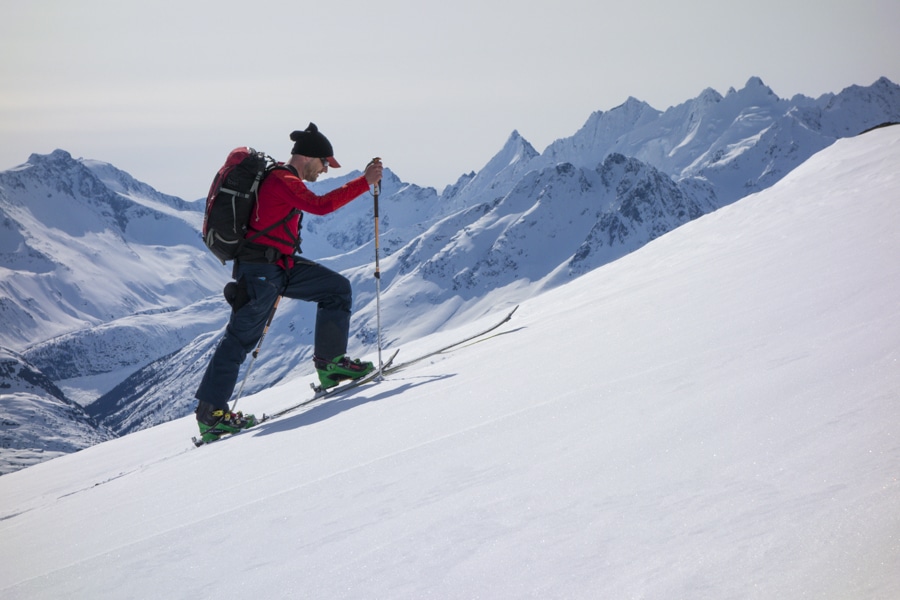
(313, 168)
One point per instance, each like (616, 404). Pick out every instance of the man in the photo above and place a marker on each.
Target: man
(268, 267)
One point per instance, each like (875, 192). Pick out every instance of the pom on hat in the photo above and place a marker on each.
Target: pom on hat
(310, 142)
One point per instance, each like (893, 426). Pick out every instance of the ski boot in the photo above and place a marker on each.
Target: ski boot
(341, 369)
(216, 422)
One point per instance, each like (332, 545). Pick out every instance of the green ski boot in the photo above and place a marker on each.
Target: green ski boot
(341, 369)
(214, 423)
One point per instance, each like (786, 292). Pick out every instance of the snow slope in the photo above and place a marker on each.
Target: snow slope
(712, 416)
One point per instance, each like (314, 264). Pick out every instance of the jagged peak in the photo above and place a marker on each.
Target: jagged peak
(515, 150)
(755, 81)
(710, 96)
(57, 156)
(630, 163)
(516, 142)
(632, 112)
(754, 88)
(633, 105)
(882, 83)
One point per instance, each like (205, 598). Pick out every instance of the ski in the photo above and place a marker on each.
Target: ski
(319, 395)
(387, 368)
(456, 344)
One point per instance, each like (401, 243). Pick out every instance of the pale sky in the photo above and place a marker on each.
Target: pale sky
(163, 89)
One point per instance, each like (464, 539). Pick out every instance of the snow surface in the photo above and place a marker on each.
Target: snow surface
(712, 416)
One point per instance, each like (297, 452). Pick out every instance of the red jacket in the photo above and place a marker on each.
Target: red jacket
(282, 191)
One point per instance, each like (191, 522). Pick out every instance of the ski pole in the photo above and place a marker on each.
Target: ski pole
(376, 191)
(256, 352)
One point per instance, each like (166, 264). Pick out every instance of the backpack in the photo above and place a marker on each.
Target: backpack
(231, 199)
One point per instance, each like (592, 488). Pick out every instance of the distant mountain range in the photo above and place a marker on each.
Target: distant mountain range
(108, 294)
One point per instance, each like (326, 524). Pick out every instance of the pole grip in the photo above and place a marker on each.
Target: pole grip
(376, 187)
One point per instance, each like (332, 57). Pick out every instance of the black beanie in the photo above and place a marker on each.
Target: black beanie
(313, 144)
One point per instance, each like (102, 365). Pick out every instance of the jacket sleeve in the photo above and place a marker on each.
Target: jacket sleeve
(295, 193)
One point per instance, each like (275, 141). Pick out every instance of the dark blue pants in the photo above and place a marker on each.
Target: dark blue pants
(260, 285)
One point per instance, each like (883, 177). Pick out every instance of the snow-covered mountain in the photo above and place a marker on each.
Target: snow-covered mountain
(713, 417)
(79, 249)
(108, 290)
(38, 422)
(739, 143)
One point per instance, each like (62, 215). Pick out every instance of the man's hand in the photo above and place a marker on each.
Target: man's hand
(373, 171)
